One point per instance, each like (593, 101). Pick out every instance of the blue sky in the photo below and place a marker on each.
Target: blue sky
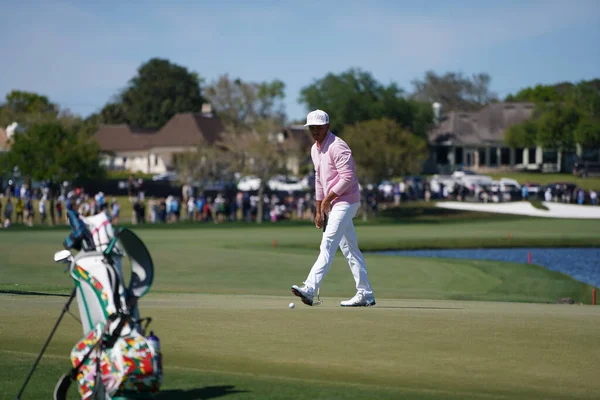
(80, 53)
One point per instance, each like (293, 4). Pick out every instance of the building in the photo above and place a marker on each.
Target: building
(296, 141)
(475, 140)
(155, 151)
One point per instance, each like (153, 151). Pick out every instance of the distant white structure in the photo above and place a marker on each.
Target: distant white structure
(554, 210)
(13, 128)
(437, 111)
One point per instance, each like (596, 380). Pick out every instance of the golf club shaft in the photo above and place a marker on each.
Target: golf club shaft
(65, 309)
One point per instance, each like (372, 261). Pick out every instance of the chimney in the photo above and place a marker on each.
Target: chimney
(437, 112)
(12, 129)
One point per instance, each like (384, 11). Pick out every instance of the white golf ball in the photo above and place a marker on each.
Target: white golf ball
(292, 305)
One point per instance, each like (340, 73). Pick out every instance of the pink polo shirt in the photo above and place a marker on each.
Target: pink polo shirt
(335, 171)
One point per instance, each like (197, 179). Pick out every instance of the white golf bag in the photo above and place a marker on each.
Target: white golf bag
(114, 359)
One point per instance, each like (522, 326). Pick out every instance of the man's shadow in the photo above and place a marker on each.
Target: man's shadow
(208, 392)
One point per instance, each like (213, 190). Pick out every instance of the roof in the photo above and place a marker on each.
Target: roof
(485, 126)
(189, 129)
(183, 130)
(297, 137)
(122, 137)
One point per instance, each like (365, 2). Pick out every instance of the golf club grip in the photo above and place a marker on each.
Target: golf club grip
(324, 222)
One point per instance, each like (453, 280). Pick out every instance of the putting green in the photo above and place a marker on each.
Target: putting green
(257, 347)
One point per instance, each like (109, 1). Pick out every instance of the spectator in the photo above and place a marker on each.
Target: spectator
(548, 195)
(594, 197)
(131, 186)
(191, 205)
(115, 211)
(20, 205)
(8, 210)
(59, 210)
(42, 209)
(153, 206)
(580, 196)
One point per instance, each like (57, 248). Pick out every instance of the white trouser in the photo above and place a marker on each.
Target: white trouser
(340, 232)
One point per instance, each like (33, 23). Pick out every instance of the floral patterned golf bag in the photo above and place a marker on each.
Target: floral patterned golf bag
(114, 359)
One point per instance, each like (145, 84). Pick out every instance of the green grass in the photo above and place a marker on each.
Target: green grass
(219, 305)
(243, 260)
(254, 347)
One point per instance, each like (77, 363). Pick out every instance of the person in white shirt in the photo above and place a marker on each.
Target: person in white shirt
(42, 208)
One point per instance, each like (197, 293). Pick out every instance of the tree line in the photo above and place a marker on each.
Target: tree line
(386, 125)
(565, 115)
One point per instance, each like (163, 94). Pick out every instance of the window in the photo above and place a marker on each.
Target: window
(505, 156)
(550, 156)
(459, 155)
(519, 155)
(482, 160)
(493, 156)
(155, 159)
(532, 155)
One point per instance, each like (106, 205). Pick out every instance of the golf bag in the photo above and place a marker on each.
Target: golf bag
(114, 359)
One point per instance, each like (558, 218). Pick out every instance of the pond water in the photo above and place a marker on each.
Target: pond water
(583, 264)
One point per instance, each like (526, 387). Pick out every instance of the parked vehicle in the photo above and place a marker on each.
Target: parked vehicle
(248, 183)
(586, 168)
(169, 176)
(286, 184)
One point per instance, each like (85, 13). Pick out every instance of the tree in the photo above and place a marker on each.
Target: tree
(355, 96)
(203, 166)
(241, 105)
(556, 126)
(566, 114)
(454, 91)
(386, 150)
(522, 135)
(160, 90)
(252, 113)
(53, 152)
(587, 132)
(541, 94)
(27, 107)
(112, 113)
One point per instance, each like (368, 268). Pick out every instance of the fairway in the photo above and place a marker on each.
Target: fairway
(219, 305)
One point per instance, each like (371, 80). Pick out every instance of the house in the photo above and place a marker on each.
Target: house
(154, 151)
(296, 141)
(475, 140)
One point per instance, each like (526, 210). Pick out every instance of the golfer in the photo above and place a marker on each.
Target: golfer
(338, 200)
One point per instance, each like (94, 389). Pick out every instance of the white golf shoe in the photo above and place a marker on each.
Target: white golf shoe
(306, 293)
(359, 300)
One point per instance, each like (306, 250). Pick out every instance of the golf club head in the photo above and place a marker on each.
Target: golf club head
(63, 256)
(62, 387)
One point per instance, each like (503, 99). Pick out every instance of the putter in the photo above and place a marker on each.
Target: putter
(64, 311)
(319, 301)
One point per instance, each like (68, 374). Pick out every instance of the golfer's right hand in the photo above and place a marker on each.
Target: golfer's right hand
(319, 220)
